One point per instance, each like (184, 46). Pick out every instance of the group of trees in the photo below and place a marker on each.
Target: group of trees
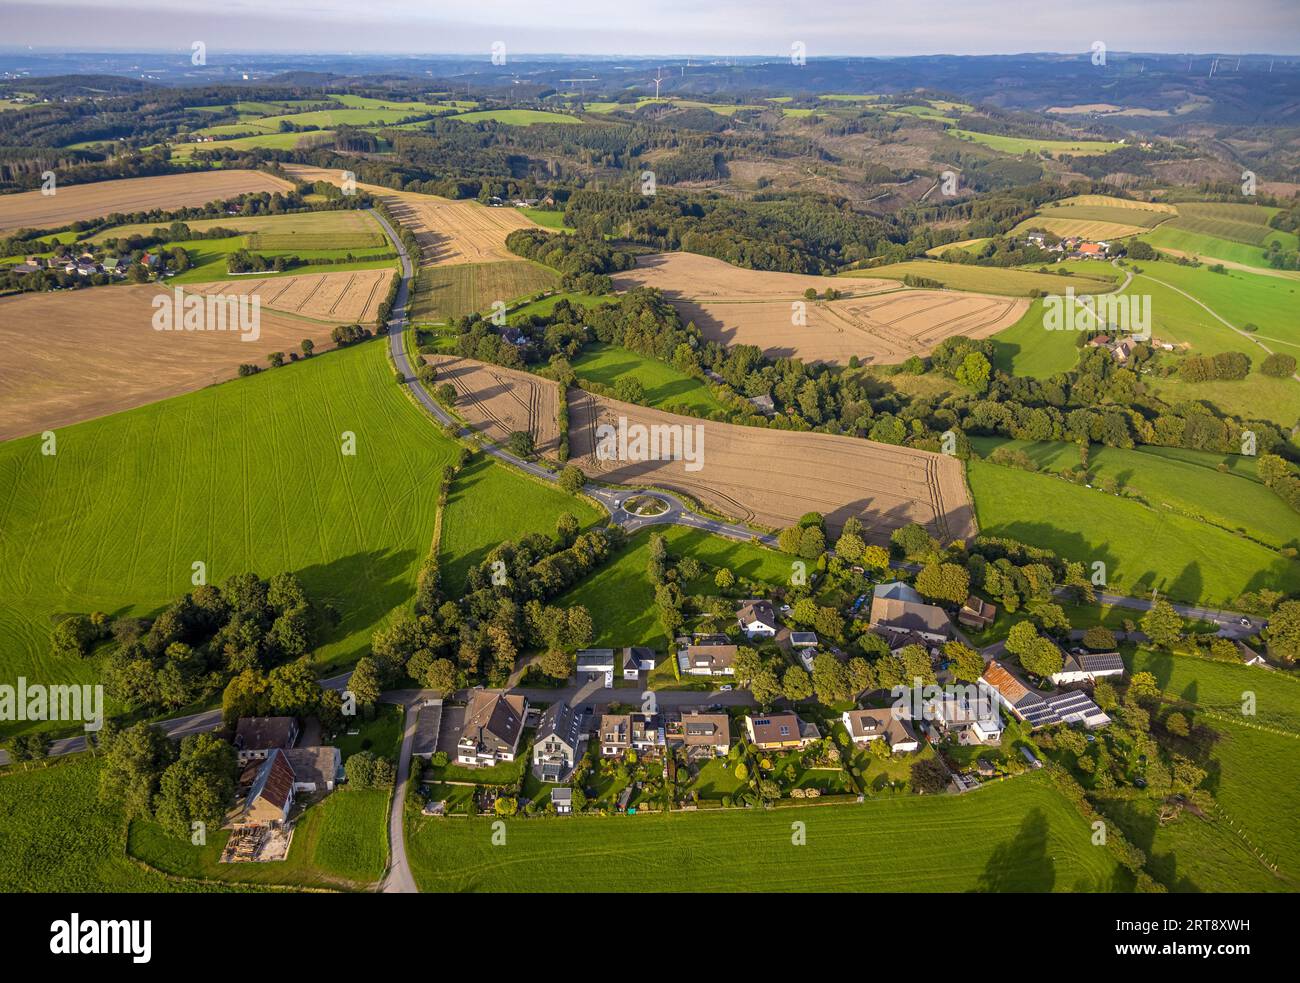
(150, 777)
(207, 637)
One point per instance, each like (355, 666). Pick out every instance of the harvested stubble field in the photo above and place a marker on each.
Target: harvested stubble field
(448, 231)
(877, 321)
(451, 231)
(79, 355)
(884, 330)
(497, 401)
(772, 477)
(340, 298)
(689, 276)
(76, 202)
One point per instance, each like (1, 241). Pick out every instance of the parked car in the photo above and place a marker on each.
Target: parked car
(1244, 622)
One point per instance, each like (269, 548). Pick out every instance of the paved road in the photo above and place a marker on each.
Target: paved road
(174, 727)
(611, 498)
(398, 880)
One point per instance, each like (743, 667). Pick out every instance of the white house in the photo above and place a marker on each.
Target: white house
(596, 663)
(637, 660)
(708, 660)
(1087, 667)
(758, 619)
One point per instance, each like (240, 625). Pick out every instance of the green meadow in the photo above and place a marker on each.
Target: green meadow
(1241, 298)
(620, 596)
(1143, 548)
(1207, 247)
(1026, 145)
(490, 503)
(1183, 482)
(1027, 348)
(340, 842)
(665, 386)
(515, 117)
(1014, 836)
(55, 834)
(243, 476)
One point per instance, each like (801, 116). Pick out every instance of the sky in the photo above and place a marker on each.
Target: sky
(656, 27)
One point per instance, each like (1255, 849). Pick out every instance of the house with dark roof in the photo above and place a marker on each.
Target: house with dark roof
(1087, 667)
(757, 618)
(780, 730)
(596, 664)
(977, 613)
(1037, 710)
(257, 737)
(898, 609)
(865, 726)
(270, 797)
(559, 742)
(494, 722)
(637, 660)
(562, 799)
(702, 735)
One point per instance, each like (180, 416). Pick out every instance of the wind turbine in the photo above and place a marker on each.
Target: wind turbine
(659, 77)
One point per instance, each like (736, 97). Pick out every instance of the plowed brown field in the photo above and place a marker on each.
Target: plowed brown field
(497, 402)
(773, 477)
(77, 355)
(74, 202)
(876, 321)
(340, 298)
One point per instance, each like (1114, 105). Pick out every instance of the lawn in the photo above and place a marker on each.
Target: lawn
(244, 476)
(55, 834)
(1252, 770)
(490, 503)
(621, 599)
(547, 218)
(445, 292)
(666, 387)
(338, 842)
(1014, 836)
(382, 735)
(987, 279)
(1143, 549)
(209, 256)
(1187, 482)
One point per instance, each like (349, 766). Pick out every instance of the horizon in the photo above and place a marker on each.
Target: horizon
(760, 28)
